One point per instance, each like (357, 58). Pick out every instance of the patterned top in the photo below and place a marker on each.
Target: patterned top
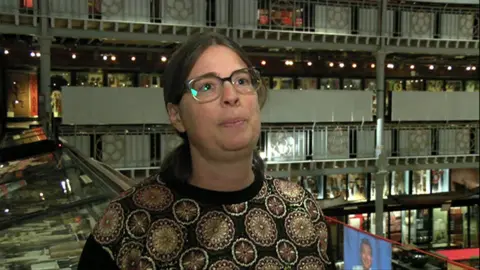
(271, 224)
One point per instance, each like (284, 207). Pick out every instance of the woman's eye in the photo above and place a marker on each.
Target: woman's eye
(206, 87)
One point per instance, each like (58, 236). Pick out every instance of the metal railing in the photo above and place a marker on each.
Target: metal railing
(146, 146)
(309, 16)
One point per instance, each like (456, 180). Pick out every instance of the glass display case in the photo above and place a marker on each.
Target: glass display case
(49, 203)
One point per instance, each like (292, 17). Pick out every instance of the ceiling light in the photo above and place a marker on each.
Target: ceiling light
(412, 66)
(263, 63)
(331, 64)
(74, 56)
(390, 66)
(341, 65)
(431, 67)
(113, 58)
(354, 65)
(6, 51)
(372, 65)
(164, 59)
(309, 63)
(449, 68)
(133, 58)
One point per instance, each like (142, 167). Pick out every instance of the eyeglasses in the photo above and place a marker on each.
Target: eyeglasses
(209, 87)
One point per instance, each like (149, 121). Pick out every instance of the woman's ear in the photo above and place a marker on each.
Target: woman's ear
(175, 117)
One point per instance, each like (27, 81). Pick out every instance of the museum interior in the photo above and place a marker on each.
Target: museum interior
(362, 94)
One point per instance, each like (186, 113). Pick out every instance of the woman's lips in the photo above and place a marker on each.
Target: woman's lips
(235, 122)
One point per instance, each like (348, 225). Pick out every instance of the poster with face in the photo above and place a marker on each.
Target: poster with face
(366, 252)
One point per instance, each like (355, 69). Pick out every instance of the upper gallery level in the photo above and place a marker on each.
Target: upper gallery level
(435, 27)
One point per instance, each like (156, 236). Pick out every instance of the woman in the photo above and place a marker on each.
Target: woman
(210, 206)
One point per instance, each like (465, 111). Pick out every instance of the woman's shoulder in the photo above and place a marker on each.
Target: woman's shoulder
(130, 214)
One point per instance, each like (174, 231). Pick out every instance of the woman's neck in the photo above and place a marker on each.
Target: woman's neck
(221, 175)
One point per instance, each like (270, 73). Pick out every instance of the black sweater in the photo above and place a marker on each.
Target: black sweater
(271, 224)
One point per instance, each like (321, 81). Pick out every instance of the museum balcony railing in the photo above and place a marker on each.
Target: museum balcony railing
(343, 21)
(296, 149)
(385, 253)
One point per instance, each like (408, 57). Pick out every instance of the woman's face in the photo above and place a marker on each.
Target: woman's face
(228, 124)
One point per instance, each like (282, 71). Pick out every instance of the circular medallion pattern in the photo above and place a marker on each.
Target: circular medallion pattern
(110, 226)
(322, 244)
(215, 230)
(223, 265)
(244, 252)
(276, 206)
(261, 227)
(165, 240)
(129, 256)
(153, 197)
(312, 209)
(310, 263)
(287, 252)
(146, 263)
(138, 223)
(186, 211)
(269, 263)
(236, 209)
(300, 229)
(194, 259)
(289, 191)
(262, 193)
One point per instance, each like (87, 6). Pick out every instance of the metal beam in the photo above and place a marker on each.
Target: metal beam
(19, 30)
(306, 45)
(145, 37)
(432, 51)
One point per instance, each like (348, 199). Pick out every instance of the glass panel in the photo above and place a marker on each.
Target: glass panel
(414, 85)
(451, 86)
(372, 223)
(266, 82)
(336, 186)
(386, 187)
(400, 183)
(440, 179)
(359, 221)
(408, 220)
(371, 84)
(92, 79)
(150, 80)
(434, 85)
(394, 85)
(330, 84)
(474, 221)
(472, 86)
(22, 94)
(421, 182)
(357, 187)
(282, 83)
(396, 226)
(307, 83)
(458, 227)
(120, 79)
(352, 84)
(422, 228)
(65, 75)
(391, 85)
(314, 184)
(462, 180)
(439, 228)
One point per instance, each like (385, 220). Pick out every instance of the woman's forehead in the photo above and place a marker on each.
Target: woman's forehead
(219, 60)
